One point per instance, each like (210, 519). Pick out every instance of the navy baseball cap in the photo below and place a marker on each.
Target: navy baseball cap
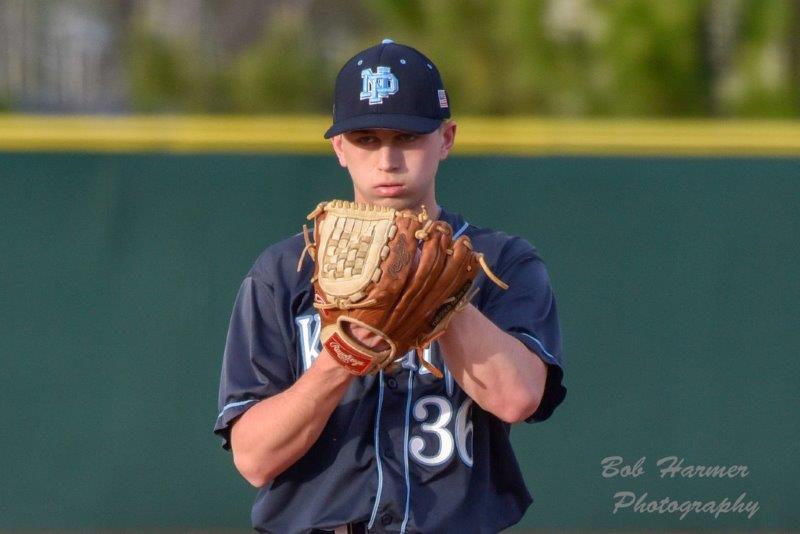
(390, 86)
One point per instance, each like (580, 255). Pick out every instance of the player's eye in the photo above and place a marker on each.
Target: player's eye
(366, 139)
(407, 137)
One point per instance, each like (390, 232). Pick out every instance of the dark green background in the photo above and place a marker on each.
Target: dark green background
(677, 283)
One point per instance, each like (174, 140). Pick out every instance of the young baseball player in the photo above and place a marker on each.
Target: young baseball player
(399, 451)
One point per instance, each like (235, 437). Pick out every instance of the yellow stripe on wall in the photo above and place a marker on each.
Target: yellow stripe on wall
(476, 135)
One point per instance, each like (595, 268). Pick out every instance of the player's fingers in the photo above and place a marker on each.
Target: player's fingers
(366, 337)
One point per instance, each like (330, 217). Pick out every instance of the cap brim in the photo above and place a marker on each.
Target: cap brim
(404, 123)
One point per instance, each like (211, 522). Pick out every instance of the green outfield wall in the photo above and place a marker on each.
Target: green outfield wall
(678, 284)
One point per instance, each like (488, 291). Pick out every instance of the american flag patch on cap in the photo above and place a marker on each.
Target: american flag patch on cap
(442, 98)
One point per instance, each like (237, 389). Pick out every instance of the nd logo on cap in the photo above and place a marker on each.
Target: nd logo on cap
(378, 85)
(419, 108)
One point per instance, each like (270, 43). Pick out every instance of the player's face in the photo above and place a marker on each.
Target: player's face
(393, 168)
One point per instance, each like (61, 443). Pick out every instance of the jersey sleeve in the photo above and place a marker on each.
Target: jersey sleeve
(527, 311)
(255, 363)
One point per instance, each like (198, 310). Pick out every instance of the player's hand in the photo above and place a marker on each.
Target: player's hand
(386, 281)
(369, 339)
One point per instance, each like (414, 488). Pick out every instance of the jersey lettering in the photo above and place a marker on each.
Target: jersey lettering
(442, 436)
(309, 329)
(409, 360)
(416, 445)
(464, 432)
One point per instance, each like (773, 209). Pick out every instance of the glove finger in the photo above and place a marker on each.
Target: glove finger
(397, 268)
(454, 281)
(431, 263)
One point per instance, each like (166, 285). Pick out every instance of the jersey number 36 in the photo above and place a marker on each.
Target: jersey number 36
(437, 427)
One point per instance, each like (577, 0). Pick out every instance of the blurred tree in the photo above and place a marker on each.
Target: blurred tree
(284, 70)
(793, 38)
(689, 58)
(159, 76)
(763, 64)
(654, 51)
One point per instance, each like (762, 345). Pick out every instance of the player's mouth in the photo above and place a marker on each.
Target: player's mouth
(390, 190)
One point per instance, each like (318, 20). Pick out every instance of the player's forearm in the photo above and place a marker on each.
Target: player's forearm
(276, 432)
(494, 368)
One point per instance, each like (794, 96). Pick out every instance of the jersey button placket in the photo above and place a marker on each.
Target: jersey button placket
(391, 382)
(386, 520)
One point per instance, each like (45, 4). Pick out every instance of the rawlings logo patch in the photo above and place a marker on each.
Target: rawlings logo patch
(342, 353)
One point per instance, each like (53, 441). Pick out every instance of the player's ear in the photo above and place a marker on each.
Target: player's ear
(336, 143)
(448, 131)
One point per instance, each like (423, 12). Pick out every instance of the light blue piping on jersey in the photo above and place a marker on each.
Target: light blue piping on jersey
(378, 451)
(405, 450)
(234, 405)
(409, 395)
(549, 356)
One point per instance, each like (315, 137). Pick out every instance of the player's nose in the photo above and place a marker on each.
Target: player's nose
(389, 158)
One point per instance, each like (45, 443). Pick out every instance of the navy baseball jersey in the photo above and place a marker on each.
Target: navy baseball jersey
(402, 452)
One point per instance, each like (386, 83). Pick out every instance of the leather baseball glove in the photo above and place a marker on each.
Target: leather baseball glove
(394, 273)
